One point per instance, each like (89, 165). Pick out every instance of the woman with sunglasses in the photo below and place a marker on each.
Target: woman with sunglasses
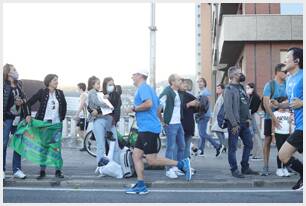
(52, 108)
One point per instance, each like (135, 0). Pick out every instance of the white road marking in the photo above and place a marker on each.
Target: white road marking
(152, 190)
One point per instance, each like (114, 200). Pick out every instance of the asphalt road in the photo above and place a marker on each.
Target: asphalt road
(170, 195)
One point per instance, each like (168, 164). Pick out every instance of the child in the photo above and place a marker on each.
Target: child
(281, 134)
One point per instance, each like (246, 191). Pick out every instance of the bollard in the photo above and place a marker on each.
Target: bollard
(73, 128)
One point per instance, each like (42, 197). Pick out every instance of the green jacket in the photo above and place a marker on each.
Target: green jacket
(168, 91)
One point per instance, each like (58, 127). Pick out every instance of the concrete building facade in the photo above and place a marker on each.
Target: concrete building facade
(254, 36)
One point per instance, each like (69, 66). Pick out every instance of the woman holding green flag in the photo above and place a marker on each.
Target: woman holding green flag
(52, 109)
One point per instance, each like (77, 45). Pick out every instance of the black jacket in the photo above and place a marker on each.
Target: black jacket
(115, 99)
(42, 96)
(254, 103)
(188, 114)
(9, 101)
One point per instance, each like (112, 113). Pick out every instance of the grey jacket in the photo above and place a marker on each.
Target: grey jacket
(232, 105)
(94, 103)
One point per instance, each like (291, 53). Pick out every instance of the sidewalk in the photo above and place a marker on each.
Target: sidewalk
(211, 172)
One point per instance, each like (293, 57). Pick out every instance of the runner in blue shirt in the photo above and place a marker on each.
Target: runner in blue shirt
(146, 106)
(294, 65)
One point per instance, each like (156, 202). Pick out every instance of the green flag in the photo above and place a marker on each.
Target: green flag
(39, 142)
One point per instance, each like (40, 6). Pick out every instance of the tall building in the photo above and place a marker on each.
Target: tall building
(254, 36)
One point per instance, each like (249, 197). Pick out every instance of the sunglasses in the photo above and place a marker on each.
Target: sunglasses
(53, 104)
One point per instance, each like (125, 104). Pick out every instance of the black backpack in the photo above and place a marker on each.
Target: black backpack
(272, 87)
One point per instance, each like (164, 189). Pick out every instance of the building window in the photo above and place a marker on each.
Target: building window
(283, 56)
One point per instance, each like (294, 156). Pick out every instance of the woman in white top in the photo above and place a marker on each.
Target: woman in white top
(52, 108)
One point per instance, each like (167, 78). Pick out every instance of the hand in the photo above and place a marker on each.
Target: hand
(276, 123)
(94, 113)
(130, 110)
(163, 124)
(193, 103)
(274, 103)
(28, 119)
(235, 130)
(296, 103)
(249, 121)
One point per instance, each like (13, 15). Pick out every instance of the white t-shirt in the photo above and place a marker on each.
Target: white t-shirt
(284, 118)
(176, 115)
(52, 110)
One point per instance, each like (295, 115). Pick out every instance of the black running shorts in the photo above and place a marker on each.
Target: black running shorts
(147, 142)
(296, 140)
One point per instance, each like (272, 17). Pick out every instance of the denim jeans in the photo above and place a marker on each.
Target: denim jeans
(7, 129)
(202, 127)
(175, 142)
(100, 126)
(246, 137)
(257, 142)
(221, 138)
(114, 149)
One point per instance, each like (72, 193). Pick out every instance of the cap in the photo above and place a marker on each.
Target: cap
(141, 71)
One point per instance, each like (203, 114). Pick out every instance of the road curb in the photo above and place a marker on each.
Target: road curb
(108, 183)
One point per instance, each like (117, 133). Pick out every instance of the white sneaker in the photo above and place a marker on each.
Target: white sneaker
(200, 153)
(286, 172)
(280, 173)
(97, 170)
(19, 174)
(171, 174)
(177, 171)
(193, 171)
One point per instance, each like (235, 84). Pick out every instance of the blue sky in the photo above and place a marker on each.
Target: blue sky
(291, 9)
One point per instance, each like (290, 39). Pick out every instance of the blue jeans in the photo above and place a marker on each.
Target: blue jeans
(175, 142)
(7, 129)
(246, 137)
(221, 137)
(202, 127)
(100, 126)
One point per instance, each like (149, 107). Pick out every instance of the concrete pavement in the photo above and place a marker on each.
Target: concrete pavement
(211, 172)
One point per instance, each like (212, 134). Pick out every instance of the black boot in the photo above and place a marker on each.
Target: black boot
(42, 174)
(58, 174)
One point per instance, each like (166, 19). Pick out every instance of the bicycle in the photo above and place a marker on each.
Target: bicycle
(128, 140)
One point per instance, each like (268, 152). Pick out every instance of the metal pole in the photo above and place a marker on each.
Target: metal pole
(153, 46)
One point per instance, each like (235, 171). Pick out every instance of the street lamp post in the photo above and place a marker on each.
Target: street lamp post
(153, 46)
